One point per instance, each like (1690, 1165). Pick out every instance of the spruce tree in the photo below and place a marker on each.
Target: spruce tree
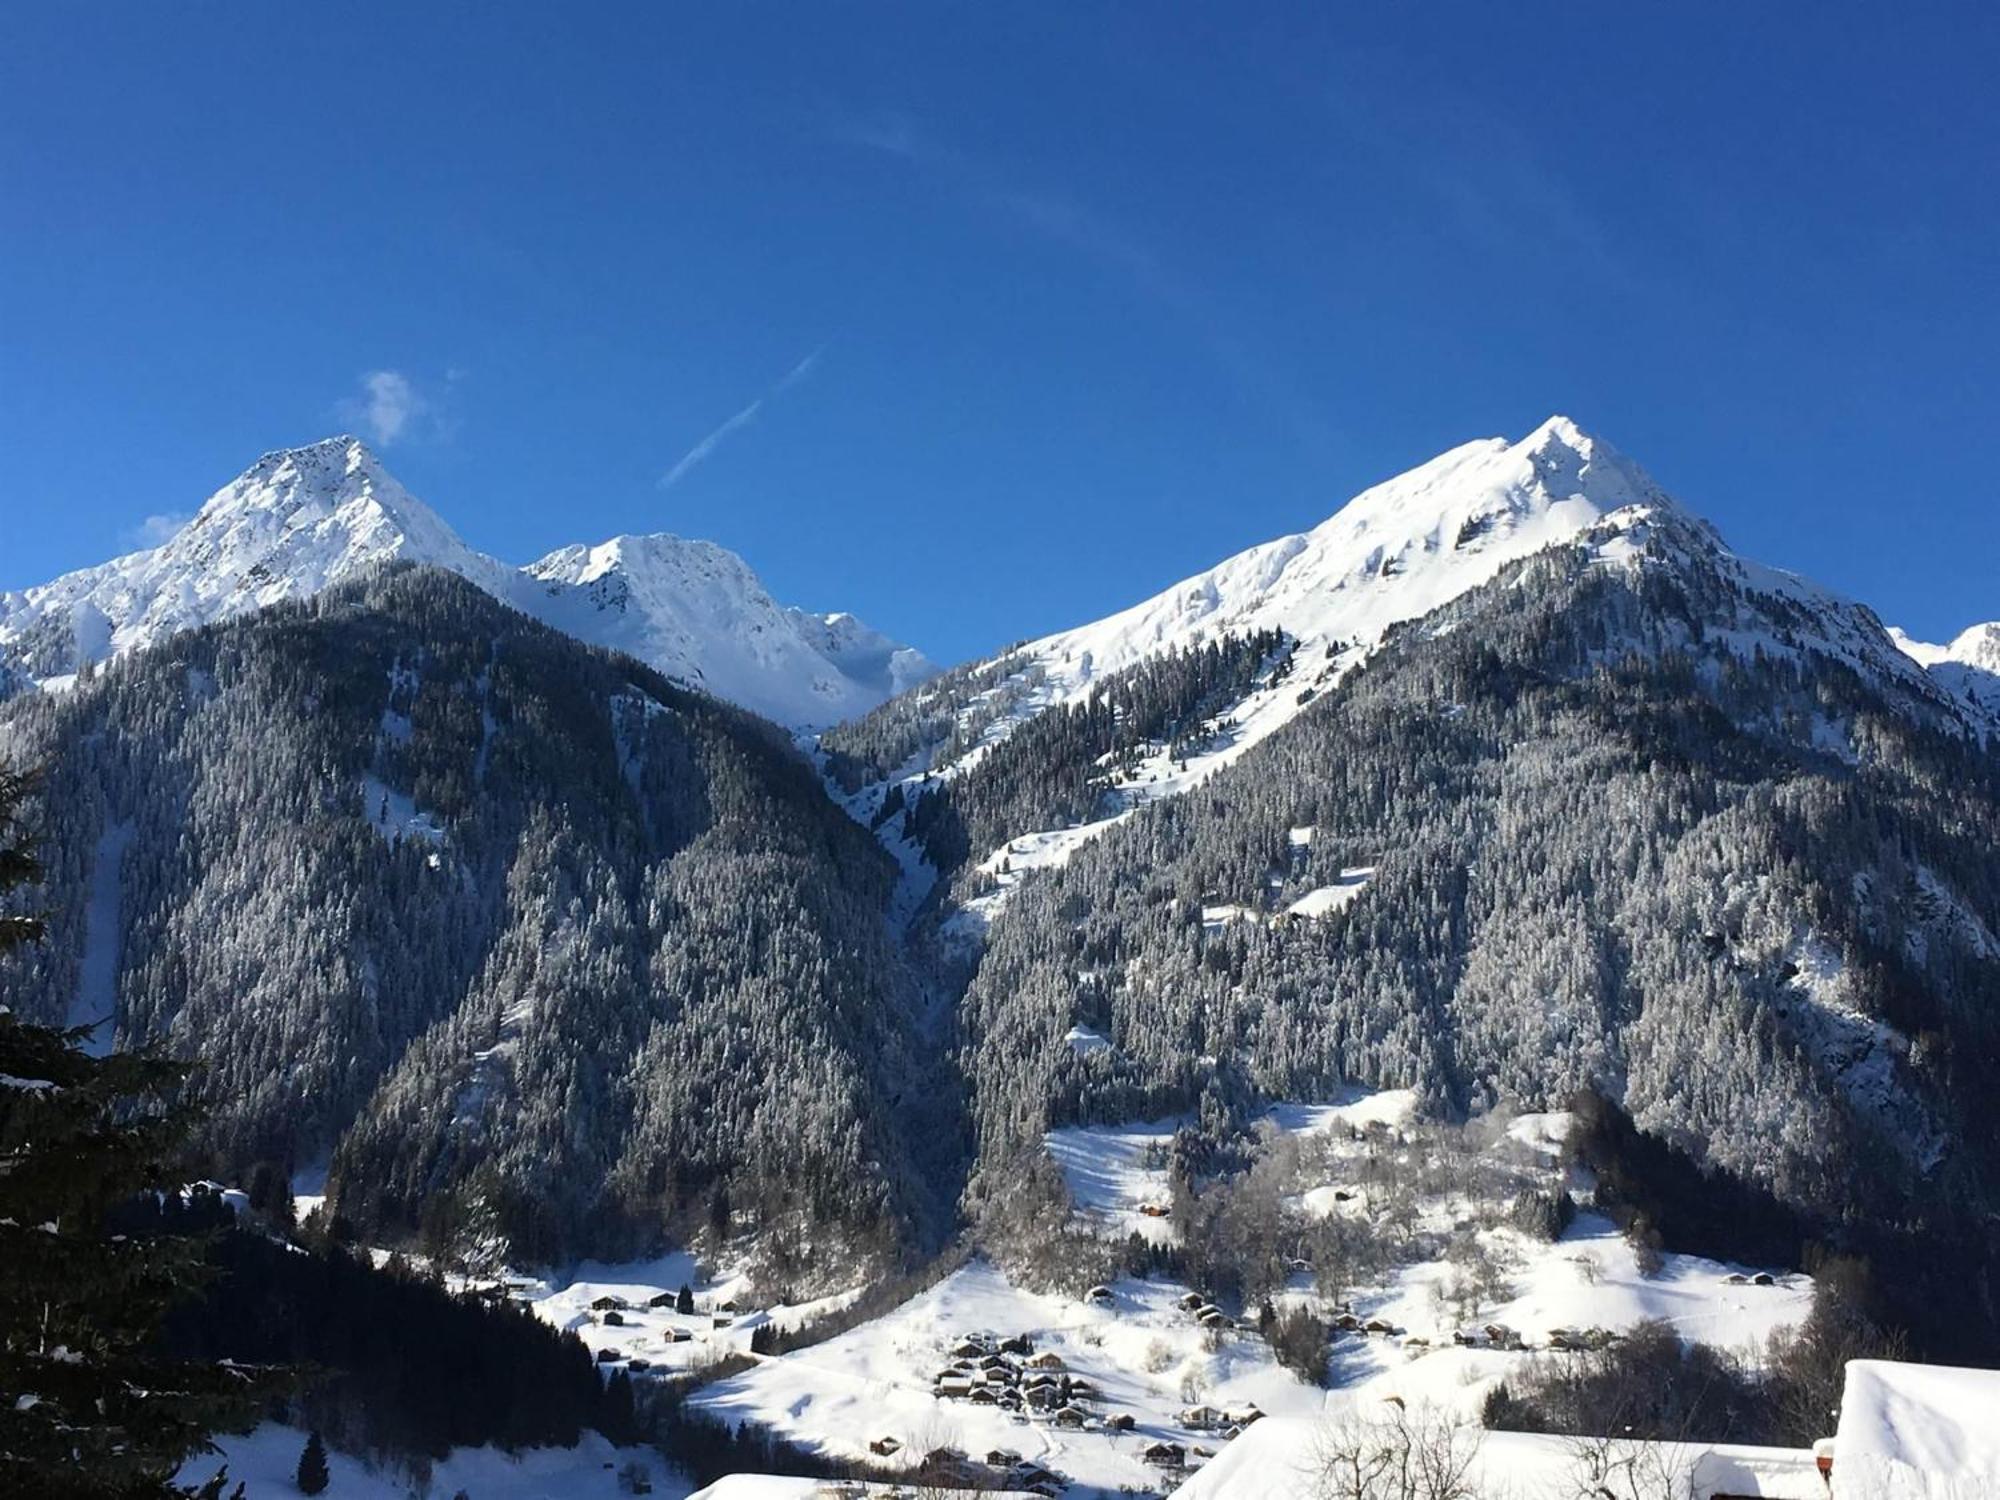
(312, 1477)
(88, 1406)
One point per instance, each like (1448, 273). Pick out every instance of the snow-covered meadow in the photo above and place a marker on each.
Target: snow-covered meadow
(643, 1336)
(266, 1461)
(1142, 1353)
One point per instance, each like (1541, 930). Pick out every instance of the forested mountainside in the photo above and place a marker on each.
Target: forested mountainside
(1070, 764)
(533, 945)
(1393, 553)
(545, 955)
(1635, 816)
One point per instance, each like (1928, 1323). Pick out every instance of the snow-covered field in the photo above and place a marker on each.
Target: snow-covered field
(1145, 1356)
(1276, 1461)
(1115, 1173)
(1142, 1354)
(266, 1461)
(785, 1487)
(1325, 899)
(645, 1337)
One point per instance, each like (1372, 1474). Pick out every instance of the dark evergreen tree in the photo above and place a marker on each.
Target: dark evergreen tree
(88, 1404)
(312, 1477)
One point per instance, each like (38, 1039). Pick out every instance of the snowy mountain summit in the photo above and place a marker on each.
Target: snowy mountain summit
(696, 611)
(1969, 667)
(1405, 548)
(1404, 551)
(302, 519)
(1392, 553)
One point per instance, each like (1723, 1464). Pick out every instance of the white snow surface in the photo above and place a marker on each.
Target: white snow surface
(301, 519)
(1331, 898)
(266, 1459)
(1275, 1460)
(1968, 667)
(1909, 1430)
(648, 1333)
(1391, 554)
(696, 611)
(95, 1003)
(1394, 554)
(1113, 1170)
(791, 1487)
(1144, 1353)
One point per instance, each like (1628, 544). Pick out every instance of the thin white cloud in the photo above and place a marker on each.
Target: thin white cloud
(699, 453)
(1099, 238)
(1494, 187)
(388, 408)
(156, 529)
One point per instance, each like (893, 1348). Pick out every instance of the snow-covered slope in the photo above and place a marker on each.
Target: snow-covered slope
(291, 524)
(1413, 548)
(1392, 553)
(696, 611)
(301, 519)
(1147, 1359)
(1403, 549)
(1968, 668)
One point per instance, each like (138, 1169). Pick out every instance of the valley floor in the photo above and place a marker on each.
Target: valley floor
(1143, 1355)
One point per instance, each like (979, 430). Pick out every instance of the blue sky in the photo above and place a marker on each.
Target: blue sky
(1033, 308)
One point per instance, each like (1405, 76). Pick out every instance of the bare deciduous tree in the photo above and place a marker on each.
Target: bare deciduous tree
(1625, 1468)
(1399, 1452)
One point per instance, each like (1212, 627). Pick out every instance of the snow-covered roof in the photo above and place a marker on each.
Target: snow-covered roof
(1917, 1430)
(1274, 1461)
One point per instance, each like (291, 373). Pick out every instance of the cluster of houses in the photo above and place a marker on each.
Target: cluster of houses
(1009, 1374)
(1561, 1340)
(1760, 1278)
(610, 1312)
(952, 1468)
(1225, 1423)
(1200, 1309)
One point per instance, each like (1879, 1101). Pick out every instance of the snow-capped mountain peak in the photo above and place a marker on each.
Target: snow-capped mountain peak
(294, 522)
(310, 516)
(1492, 482)
(301, 519)
(1392, 553)
(1968, 668)
(1978, 646)
(340, 480)
(697, 611)
(1403, 550)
